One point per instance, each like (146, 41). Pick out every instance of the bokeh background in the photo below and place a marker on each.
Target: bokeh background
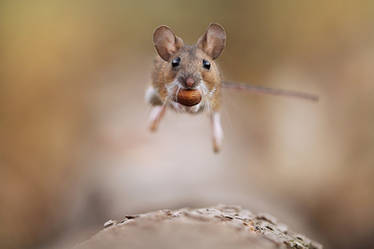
(74, 146)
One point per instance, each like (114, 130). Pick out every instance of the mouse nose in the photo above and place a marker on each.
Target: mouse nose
(190, 82)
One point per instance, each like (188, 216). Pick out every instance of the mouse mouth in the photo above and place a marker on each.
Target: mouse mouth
(191, 100)
(187, 97)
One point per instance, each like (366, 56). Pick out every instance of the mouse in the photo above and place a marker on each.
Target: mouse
(186, 79)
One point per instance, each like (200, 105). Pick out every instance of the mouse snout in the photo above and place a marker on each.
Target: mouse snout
(189, 82)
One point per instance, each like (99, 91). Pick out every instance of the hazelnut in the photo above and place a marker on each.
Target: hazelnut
(188, 97)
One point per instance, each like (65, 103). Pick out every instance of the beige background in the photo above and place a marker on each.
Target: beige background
(74, 146)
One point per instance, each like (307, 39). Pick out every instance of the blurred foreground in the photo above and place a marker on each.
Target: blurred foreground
(213, 227)
(75, 150)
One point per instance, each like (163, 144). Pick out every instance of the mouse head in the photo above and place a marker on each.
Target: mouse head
(191, 67)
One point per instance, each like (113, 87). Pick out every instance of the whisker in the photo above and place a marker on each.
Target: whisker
(177, 92)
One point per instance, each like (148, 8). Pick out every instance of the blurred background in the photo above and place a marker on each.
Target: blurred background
(74, 146)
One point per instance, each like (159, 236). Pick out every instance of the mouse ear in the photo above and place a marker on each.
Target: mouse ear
(213, 41)
(166, 42)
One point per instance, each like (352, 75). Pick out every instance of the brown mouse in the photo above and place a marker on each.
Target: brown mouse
(186, 78)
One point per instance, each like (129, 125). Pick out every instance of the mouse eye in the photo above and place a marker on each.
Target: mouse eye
(175, 62)
(206, 64)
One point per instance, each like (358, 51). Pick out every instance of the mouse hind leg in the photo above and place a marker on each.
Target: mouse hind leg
(217, 131)
(215, 119)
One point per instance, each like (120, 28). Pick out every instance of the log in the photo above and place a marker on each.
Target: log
(214, 227)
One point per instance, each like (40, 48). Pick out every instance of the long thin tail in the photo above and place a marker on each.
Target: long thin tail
(270, 91)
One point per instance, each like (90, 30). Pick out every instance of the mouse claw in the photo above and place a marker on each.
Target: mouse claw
(153, 127)
(216, 148)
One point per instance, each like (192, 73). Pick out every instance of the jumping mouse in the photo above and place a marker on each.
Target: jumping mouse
(186, 78)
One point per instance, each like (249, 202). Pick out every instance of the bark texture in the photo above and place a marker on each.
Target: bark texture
(214, 227)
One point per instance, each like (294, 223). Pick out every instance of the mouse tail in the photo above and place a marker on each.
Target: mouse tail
(270, 91)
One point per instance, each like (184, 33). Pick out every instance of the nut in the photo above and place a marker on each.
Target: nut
(188, 97)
